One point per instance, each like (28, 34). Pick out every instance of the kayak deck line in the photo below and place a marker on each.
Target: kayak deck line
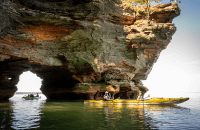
(155, 101)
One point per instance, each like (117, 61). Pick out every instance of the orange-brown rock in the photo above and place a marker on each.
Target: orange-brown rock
(82, 48)
(46, 32)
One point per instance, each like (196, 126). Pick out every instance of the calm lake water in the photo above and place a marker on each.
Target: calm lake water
(20, 114)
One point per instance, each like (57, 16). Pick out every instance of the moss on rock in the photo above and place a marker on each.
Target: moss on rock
(82, 87)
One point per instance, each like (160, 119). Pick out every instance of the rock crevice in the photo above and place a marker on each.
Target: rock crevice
(82, 48)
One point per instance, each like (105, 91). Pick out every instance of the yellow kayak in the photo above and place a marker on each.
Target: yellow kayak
(152, 101)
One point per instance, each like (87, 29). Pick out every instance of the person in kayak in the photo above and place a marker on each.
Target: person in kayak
(107, 97)
(139, 96)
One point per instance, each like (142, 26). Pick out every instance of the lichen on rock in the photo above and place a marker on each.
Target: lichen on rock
(82, 48)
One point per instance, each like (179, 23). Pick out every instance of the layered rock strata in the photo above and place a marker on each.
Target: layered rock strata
(81, 48)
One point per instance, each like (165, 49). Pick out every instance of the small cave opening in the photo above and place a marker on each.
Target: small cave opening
(29, 83)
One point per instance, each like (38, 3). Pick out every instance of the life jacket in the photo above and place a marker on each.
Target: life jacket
(108, 97)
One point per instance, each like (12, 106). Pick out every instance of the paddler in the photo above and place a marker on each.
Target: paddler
(107, 97)
(139, 96)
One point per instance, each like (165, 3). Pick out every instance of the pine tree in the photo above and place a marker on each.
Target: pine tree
(147, 2)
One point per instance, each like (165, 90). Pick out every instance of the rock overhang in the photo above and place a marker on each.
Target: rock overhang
(99, 43)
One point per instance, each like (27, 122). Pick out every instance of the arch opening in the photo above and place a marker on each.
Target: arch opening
(29, 83)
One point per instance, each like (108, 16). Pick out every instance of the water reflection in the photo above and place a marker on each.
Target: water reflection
(132, 116)
(31, 114)
(121, 116)
(21, 114)
(4, 115)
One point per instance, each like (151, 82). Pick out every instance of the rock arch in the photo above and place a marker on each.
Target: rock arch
(81, 47)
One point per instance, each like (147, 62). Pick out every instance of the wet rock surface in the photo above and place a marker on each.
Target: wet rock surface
(82, 48)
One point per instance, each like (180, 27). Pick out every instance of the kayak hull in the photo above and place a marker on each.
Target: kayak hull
(153, 101)
(31, 98)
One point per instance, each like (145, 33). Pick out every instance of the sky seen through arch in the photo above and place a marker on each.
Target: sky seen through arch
(29, 82)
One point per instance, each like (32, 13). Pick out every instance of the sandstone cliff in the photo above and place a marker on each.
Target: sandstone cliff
(81, 48)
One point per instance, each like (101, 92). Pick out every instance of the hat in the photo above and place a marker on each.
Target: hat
(106, 92)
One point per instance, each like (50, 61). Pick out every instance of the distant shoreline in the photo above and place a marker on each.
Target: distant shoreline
(28, 92)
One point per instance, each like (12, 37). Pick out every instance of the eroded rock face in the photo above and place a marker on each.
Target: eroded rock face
(81, 48)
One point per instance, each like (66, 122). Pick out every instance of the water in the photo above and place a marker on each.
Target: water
(20, 114)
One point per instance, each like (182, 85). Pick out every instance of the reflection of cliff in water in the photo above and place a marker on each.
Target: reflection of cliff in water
(132, 116)
(76, 115)
(124, 116)
(5, 119)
